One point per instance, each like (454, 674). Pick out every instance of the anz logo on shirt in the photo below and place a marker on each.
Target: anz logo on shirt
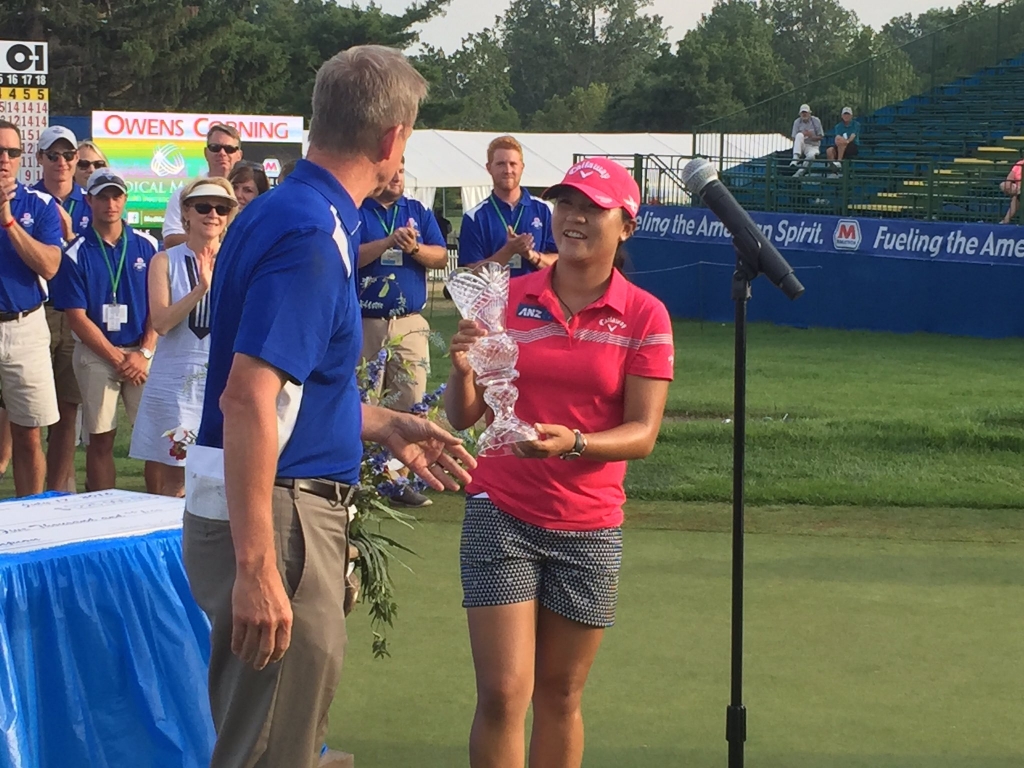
(533, 312)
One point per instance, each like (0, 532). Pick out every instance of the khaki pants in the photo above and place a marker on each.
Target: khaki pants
(101, 386)
(26, 372)
(62, 353)
(277, 717)
(405, 379)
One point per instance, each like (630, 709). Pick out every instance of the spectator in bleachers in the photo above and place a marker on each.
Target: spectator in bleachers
(847, 138)
(1011, 188)
(807, 135)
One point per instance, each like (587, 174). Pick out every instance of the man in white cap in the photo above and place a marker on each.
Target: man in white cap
(58, 154)
(30, 243)
(101, 286)
(847, 141)
(807, 135)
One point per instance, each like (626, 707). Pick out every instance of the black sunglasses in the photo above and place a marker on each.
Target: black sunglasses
(12, 152)
(204, 208)
(85, 165)
(68, 156)
(217, 148)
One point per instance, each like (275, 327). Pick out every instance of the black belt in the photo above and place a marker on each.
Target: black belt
(325, 489)
(6, 317)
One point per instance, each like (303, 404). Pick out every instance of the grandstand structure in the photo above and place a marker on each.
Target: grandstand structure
(942, 119)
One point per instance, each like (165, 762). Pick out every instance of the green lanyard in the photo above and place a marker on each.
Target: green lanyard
(515, 227)
(394, 219)
(115, 281)
(71, 208)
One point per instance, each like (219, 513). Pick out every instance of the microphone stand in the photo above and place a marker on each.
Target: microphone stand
(736, 714)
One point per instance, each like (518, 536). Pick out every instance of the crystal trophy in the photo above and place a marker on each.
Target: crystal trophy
(481, 294)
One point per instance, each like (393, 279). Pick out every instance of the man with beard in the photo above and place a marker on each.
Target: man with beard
(509, 227)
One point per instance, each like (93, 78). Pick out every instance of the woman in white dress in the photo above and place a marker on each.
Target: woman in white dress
(179, 282)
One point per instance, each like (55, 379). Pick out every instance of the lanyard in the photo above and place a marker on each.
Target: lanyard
(515, 227)
(71, 207)
(115, 281)
(394, 219)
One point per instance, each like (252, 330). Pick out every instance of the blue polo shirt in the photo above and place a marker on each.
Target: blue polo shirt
(484, 230)
(36, 212)
(395, 286)
(76, 206)
(284, 291)
(84, 282)
(846, 131)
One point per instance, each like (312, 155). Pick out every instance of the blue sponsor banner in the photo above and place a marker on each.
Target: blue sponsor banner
(876, 274)
(889, 238)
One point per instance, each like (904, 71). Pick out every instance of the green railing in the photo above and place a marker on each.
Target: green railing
(919, 67)
(905, 188)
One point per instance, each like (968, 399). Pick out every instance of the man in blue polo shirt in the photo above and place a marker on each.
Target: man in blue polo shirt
(58, 155)
(101, 286)
(30, 243)
(269, 481)
(509, 226)
(400, 242)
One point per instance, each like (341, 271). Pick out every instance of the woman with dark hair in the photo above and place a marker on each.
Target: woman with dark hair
(541, 539)
(249, 182)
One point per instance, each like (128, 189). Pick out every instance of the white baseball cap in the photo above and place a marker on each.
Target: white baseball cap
(101, 179)
(847, 111)
(805, 107)
(55, 133)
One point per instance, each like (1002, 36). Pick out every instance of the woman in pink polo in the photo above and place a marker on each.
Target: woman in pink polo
(541, 540)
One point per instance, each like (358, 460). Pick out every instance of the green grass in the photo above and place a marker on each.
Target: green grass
(861, 652)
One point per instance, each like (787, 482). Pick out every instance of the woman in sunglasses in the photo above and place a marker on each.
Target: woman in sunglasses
(90, 158)
(249, 182)
(179, 284)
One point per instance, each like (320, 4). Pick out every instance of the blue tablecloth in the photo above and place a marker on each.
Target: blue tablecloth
(104, 658)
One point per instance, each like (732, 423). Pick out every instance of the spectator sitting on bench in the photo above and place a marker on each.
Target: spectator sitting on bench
(807, 136)
(847, 139)
(1011, 188)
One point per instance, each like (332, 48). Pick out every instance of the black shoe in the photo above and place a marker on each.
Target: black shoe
(410, 498)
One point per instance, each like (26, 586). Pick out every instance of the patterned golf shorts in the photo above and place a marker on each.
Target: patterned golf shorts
(572, 573)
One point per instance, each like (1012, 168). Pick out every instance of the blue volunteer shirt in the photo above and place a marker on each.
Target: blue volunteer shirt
(37, 214)
(84, 281)
(395, 285)
(284, 291)
(78, 209)
(485, 230)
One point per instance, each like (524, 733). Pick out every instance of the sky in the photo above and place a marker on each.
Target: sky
(465, 16)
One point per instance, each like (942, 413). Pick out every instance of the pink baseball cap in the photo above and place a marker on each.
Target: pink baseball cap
(604, 181)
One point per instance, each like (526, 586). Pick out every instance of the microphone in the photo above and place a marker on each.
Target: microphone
(700, 178)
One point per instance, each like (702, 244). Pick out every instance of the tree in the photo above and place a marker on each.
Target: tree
(181, 55)
(812, 37)
(554, 46)
(470, 89)
(579, 112)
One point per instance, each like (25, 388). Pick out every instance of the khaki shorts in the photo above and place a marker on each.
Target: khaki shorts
(26, 373)
(101, 387)
(405, 380)
(62, 352)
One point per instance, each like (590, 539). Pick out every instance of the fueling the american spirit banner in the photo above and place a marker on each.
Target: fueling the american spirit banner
(157, 153)
(889, 238)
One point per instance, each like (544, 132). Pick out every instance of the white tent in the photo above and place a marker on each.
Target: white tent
(438, 159)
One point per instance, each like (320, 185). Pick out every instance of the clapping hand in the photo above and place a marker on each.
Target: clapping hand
(519, 243)
(405, 238)
(8, 186)
(204, 265)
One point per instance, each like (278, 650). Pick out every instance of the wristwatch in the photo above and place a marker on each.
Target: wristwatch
(578, 447)
(146, 353)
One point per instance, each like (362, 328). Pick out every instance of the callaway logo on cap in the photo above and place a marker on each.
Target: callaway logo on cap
(604, 181)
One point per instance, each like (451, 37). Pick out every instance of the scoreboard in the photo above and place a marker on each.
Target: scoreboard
(25, 97)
